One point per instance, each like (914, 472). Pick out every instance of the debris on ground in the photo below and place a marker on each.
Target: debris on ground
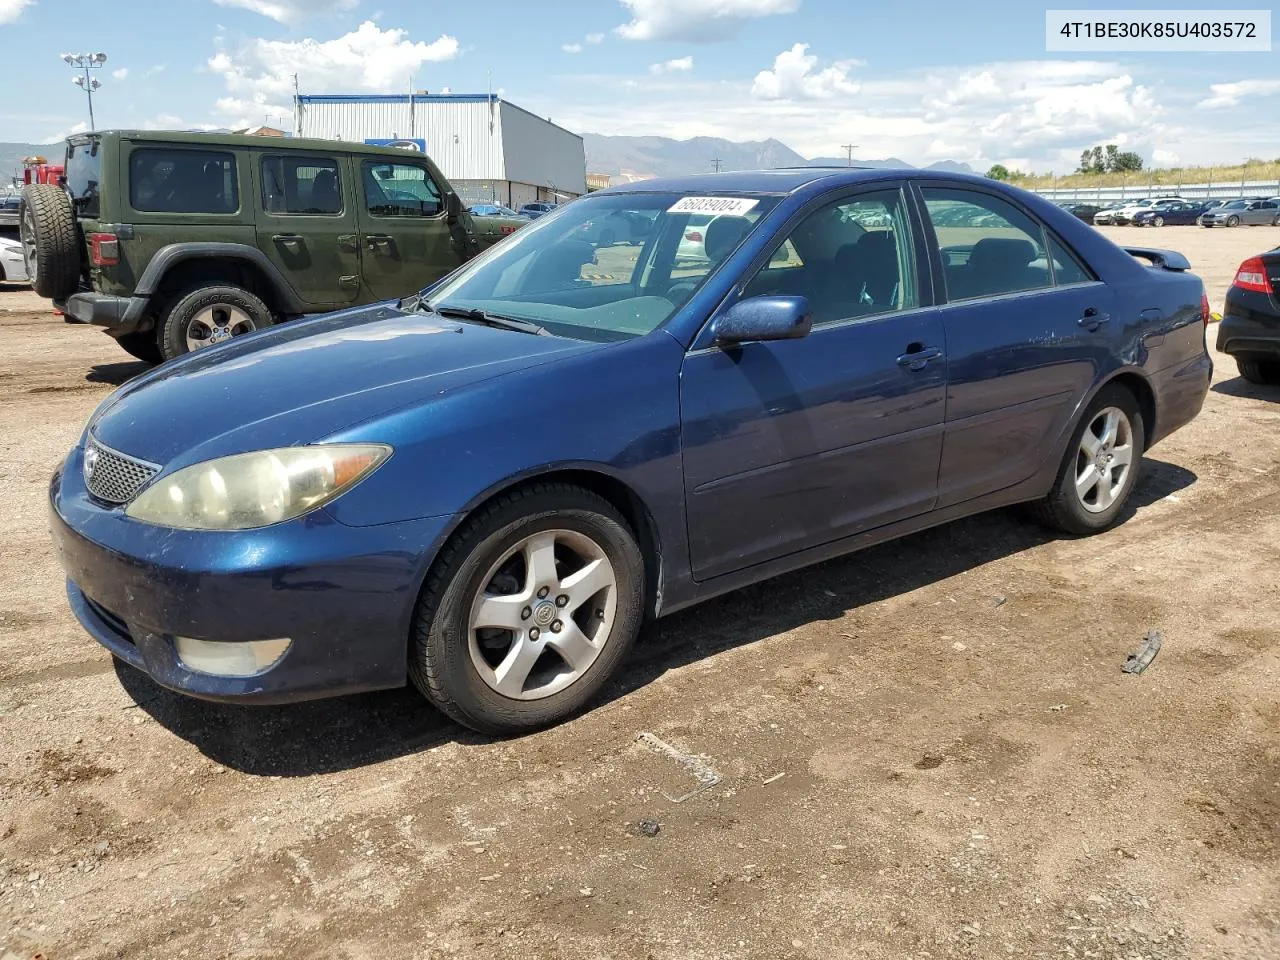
(648, 828)
(1141, 658)
(703, 772)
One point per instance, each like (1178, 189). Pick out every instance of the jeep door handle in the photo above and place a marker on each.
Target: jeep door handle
(1092, 319)
(375, 240)
(918, 356)
(289, 239)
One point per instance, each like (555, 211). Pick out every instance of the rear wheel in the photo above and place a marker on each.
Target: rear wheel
(529, 610)
(142, 345)
(1260, 371)
(50, 240)
(1275, 221)
(1101, 466)
(207, 316)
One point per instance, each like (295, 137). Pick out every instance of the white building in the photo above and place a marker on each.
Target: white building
(490, 149)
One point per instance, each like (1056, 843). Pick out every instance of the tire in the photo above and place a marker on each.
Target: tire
(1260, 371)
(50, 240)
(447, 653)
(1233, 221)
(142, 345)
(242, 311)
(1065, 509)
(1157, 221)
(1275, 221)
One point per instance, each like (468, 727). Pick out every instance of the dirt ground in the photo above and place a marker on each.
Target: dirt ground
(926, 750)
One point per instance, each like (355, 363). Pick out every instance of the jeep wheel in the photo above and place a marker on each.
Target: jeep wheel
(210, 315)
(50, 241)
(142, 345)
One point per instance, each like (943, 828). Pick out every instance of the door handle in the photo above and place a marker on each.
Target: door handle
(289, 239)
(918, 356)
(348, 281)
(375, 240)
(1092, 319)
(348, 243)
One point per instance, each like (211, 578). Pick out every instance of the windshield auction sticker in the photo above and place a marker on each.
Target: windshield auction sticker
(1170, 31)
(714, 206)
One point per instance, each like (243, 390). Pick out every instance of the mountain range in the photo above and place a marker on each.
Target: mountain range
(642, 157)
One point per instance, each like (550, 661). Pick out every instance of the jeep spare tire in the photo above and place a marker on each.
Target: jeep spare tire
(50, 243)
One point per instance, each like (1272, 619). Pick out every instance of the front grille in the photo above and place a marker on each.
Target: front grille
(111, 621)
(112, 476)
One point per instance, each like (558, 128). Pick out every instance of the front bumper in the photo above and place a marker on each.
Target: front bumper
(119, 315)
(344, 595)
(1250, 327)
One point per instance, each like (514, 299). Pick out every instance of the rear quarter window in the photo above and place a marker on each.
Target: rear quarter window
(168, 180)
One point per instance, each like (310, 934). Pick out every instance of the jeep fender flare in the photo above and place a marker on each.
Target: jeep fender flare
(170, 256)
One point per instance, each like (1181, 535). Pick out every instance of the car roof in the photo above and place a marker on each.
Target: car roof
(202, 138)
(782, 180)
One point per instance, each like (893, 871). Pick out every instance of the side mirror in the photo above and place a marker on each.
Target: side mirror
(453, 207)
(763, 318)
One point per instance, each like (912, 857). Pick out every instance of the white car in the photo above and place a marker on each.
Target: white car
(1126, 213)
(13, 268)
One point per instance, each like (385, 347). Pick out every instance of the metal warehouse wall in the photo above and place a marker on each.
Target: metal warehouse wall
(538, 152)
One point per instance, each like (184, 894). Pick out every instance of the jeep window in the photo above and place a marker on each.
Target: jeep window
(83, 173)
(182, 181)
(399, 190)
(301, 185)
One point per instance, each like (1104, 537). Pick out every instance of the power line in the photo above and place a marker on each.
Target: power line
(848, 151)
(716, 164)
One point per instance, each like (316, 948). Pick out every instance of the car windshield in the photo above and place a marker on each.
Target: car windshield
(605, 268)
(1236, 205)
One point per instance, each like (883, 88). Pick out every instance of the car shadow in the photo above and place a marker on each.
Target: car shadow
(116, 373)
(1240, 387)
(341, 733)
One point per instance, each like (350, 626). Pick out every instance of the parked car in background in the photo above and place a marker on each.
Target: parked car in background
(173, 241)
(1250, 327)
(534, 210)
(9, 211)
(357, 501)
(1247, 211)
(1104, 214)
(1214, 204)
(1168, 213)
(492, 210)
(1124, 214)
(1082, 211)
(13, 266)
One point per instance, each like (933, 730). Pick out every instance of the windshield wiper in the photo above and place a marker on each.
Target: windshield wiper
(476, 315)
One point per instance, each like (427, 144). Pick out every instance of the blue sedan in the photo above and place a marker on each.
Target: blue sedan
(486, 488)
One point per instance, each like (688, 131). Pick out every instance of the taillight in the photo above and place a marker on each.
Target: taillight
(1252, 275)
(104, 249)
(693, 236)
(507, 229)
(1204, 309)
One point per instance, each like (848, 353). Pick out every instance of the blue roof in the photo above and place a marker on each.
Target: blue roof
(782, 180)
(394, 97)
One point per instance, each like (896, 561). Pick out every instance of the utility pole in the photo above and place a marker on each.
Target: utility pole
(848, 149)
(297, 108)
(86, 82)
(715, 164)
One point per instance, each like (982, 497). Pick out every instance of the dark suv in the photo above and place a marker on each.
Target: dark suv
(173, 241)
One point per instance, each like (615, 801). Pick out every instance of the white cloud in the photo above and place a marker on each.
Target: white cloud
(595, 38)
(150, 72)
(1230, 94)
(793, 77)
(288, 11)
(1164, 158)
(571, 47)
(120, 73)
(699, 21)
(259, 74)
(10, 10)
(680, 65)
(59, 137)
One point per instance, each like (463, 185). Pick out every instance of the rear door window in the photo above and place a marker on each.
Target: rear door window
(301, 185)
(84, 175)
(168, 180)
(400, 190)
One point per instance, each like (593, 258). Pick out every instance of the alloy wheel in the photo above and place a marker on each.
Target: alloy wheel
(544, 614)
(217, 324)
(1104, 459)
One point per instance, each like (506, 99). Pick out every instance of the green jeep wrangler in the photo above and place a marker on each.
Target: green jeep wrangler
(174, 241)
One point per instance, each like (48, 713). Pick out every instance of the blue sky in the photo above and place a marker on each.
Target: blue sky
(922, 81)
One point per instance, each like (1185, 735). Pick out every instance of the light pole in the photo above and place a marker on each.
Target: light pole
(86, 82)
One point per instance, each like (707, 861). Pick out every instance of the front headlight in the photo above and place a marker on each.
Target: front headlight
(256, 489)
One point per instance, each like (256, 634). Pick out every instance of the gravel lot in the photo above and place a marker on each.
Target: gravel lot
(927, 749)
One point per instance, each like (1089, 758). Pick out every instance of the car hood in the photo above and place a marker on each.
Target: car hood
(307, 380)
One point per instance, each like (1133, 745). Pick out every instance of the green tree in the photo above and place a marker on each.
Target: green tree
(1125, 162)
(998, 171)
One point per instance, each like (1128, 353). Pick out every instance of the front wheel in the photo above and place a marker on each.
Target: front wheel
(207, 316)
(529, 610)
(1157, 222)
(1233, 221)
(1100, 469)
